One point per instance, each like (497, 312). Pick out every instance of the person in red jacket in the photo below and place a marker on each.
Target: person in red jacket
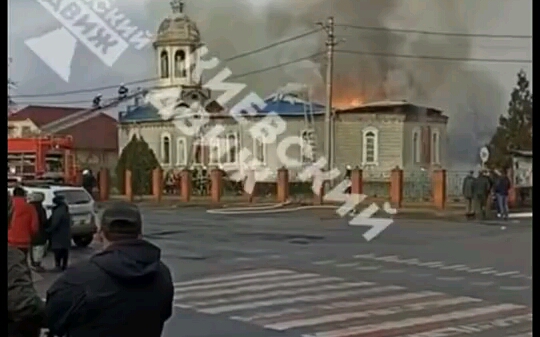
(24, 224)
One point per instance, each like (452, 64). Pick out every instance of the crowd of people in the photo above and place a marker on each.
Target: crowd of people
(33, 233)
(122, 290)
(478, 189)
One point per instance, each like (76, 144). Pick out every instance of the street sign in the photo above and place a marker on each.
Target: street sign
(484, 154)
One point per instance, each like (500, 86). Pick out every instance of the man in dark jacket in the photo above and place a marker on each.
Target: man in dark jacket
(494, 176)
(98, 182)
(481, 189)
(501, 189)
(26, 312)
(39, 240)
(59, 231)
(467, 190)
(122, 291)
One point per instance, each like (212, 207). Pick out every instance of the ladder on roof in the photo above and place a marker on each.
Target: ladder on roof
(83, 115)
(309, 135)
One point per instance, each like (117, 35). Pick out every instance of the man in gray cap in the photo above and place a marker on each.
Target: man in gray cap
(127, 277)
(26, 312)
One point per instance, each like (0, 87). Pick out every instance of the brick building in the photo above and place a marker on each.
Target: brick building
(96, 140)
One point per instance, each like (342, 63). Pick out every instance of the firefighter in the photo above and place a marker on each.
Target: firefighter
(201, 180)
(96, 103)
(122, 92)
(348, 171)
(88, 181)
(170, 183)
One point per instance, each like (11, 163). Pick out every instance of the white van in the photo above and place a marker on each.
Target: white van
(81, 207)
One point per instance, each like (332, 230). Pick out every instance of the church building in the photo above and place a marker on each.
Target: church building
(377, 136)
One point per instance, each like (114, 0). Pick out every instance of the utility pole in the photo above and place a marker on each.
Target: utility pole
(329, 116)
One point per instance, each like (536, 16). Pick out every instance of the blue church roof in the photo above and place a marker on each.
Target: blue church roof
(141, 113)
(289, 106)
(285, 105)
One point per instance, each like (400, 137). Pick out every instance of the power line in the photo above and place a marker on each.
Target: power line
(280, 65)
(429, 57)
(61, 103)
(255, 51)
(258, 71)
(81, 91)
(498, 46)
(294, 38)
(423, 32)
(238, 56)
(246, 74)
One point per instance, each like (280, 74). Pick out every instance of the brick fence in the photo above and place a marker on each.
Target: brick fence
(283, 189)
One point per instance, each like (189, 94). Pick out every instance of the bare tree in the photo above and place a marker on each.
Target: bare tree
(11, 85)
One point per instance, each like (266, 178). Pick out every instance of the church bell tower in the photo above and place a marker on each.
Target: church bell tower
(176, 45)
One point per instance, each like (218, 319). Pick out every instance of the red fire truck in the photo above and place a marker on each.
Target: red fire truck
(42, 157)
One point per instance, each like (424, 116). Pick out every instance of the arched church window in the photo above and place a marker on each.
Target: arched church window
(436, 147)
(165, 149)
(232, 145)
(181, 151)
(180, 70)
(164, 64)
(416, 146)
(200, 152)
(370, 155)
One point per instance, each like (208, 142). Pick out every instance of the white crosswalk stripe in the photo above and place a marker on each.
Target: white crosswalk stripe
(363, 314)
(241, 290)
(323, 306)
(232, 277)
(250, 281)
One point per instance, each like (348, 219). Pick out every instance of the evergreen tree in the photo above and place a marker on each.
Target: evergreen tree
(515, 128)
(122, 164)
(139, 158)
(144, 162)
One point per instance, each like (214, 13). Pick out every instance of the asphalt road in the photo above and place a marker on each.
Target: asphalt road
(294, 274)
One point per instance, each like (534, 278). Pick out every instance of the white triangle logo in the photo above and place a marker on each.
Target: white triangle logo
(56, 49)
(165, 101)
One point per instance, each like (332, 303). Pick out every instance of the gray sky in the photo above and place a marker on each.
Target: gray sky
(28, 19)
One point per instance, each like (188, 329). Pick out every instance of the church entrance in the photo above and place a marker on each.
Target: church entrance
(201, 174)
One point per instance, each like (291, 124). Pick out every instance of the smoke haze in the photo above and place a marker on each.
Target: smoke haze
(468, 95)
(466, 91)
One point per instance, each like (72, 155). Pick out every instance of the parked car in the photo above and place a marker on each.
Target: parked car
(81, 207)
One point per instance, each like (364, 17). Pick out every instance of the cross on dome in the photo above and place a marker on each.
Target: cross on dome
(177, 6)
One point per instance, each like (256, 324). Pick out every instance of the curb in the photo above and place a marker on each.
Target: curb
(520, 215)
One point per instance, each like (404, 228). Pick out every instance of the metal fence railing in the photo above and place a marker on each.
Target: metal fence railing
(417, 186)
(454, 184)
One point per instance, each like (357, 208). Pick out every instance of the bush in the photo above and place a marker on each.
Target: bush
(139, 158)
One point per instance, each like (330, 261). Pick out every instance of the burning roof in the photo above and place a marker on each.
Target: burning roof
(393, 107)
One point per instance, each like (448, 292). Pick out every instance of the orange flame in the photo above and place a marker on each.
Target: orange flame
(347, 102)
